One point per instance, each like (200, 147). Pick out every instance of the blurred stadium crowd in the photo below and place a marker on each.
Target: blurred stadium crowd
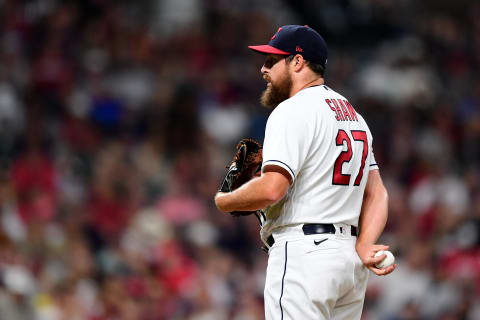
(117, 119)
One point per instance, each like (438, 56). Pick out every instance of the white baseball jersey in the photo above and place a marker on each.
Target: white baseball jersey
(326, 147)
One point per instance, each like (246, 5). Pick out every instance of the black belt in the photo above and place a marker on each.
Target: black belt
(317, 228)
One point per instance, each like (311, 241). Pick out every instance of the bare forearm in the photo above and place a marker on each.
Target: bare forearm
(257, 194)
(373, 219)
(374, 214)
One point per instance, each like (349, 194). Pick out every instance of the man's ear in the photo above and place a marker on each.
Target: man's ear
(298, 62)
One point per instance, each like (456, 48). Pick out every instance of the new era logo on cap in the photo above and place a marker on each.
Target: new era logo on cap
(293, 39)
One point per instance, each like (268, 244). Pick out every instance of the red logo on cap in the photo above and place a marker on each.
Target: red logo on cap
(298, 49)
(275, 35)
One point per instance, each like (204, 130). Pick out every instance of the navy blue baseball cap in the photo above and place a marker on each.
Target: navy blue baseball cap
(295, 39)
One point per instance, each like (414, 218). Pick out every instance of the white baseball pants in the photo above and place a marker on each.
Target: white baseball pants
(314, 276)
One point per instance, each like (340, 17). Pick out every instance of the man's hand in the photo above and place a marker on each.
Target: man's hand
(366, 252)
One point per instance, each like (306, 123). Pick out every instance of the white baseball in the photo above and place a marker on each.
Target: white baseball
(388, 261)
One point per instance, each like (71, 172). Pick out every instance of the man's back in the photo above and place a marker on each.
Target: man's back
(325, 145)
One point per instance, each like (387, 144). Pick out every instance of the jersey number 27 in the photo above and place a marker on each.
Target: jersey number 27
(340, 178)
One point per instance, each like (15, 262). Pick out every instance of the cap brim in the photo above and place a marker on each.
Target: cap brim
(268, 49)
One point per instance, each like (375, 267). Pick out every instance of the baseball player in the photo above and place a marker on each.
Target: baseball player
(326, 205)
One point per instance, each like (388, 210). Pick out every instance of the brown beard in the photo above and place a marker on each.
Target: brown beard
(277, 93)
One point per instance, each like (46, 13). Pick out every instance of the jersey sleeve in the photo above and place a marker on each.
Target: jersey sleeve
(285, 141)
(373, 163)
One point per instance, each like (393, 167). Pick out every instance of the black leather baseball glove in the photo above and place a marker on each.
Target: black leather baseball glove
(245, 165)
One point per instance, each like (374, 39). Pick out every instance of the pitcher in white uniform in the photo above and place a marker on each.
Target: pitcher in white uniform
(325, 203)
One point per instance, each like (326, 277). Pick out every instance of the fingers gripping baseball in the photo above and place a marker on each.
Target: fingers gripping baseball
(367, 255)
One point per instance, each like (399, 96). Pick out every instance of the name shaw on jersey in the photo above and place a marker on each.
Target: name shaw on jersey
(343, 110)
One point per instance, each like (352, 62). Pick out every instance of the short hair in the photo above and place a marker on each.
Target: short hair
(315, 67)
